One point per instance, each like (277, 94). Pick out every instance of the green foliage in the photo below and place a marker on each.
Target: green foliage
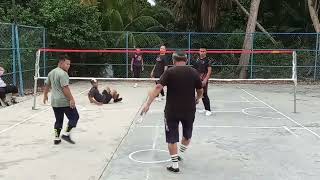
(70, 23)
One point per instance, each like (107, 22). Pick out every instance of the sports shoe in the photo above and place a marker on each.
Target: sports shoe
(57, 141)
(208, 113)
(201, 111)
(67, 138)
(14, 101)
(174, 170)
(117, 100)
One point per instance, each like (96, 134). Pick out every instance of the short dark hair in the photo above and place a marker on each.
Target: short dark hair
(63, 57)
(93, 81)
(179, 56)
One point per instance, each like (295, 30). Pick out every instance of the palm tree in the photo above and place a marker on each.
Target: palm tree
(201, 14)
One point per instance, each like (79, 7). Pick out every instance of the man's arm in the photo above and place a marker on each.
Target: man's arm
(151, 96)
(46, 89)
(142, 63)
(208, 74)
(151, 74)
(199, 95)
(131, 64)
(92, 100)
(45, 93)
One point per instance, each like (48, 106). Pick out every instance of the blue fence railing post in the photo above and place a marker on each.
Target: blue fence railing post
(44, 52)
(127, 54)
(316, 58)
(14, 71)
(21, 90)
(189, 48)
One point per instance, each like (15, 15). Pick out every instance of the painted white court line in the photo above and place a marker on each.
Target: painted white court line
(234, 101)
(244, 98)
(289, 130)
(148, 162)
(155, 137)
(32, 116)
(289, 118)
(240, 127)
(244, 111)
(161, 110)
(148, 174)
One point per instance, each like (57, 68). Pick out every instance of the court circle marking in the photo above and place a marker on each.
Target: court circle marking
(244, 111)
(148, 162)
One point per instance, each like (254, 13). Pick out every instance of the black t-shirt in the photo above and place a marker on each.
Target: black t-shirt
(201, 65)
(181, 82)
(94, 92)
(161, 62)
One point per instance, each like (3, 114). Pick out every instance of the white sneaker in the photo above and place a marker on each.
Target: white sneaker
(208, 113)
(135, 85)
(201, 111)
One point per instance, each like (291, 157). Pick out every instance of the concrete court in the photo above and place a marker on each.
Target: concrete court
(252, 134)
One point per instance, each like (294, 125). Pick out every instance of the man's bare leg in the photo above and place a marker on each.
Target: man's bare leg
(183, 147)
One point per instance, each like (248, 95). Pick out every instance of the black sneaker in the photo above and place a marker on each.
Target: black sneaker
(14, 101)
(180, 158)
(174, 170)
(67, 138)
(117, 100)
(57, 141)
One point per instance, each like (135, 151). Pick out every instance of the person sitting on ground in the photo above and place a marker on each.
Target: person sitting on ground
(6, 89)
(107, 94)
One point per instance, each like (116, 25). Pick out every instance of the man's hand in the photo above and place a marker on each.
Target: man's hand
(204, 83)
(45, 99)
(197, 101)
(72, 103)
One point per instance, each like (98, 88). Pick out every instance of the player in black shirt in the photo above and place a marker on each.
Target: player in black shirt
(203, 66)
(104, 98)
(161, 66)
(182, 82)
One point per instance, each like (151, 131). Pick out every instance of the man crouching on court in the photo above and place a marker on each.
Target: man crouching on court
(182, 82)
(104, 98)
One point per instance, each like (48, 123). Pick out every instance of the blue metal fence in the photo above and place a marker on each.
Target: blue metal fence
(18, 44)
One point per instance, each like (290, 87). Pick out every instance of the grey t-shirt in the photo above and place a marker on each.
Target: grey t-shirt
(57, 79)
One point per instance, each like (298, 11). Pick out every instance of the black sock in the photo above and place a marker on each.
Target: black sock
(69, 128)
(57, 132)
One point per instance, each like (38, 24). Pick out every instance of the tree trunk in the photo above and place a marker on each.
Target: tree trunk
(251, 26)
(209, 13)
(314, 16)
(258, 24)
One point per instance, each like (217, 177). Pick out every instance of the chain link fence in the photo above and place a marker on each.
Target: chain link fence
(18, 45)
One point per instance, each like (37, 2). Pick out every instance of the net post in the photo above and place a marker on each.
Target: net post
(36, 75)
(127, 54)
(295, 80)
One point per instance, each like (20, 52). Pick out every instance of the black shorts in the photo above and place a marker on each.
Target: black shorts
(171, 122)
(107, 97)
(8, 89)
